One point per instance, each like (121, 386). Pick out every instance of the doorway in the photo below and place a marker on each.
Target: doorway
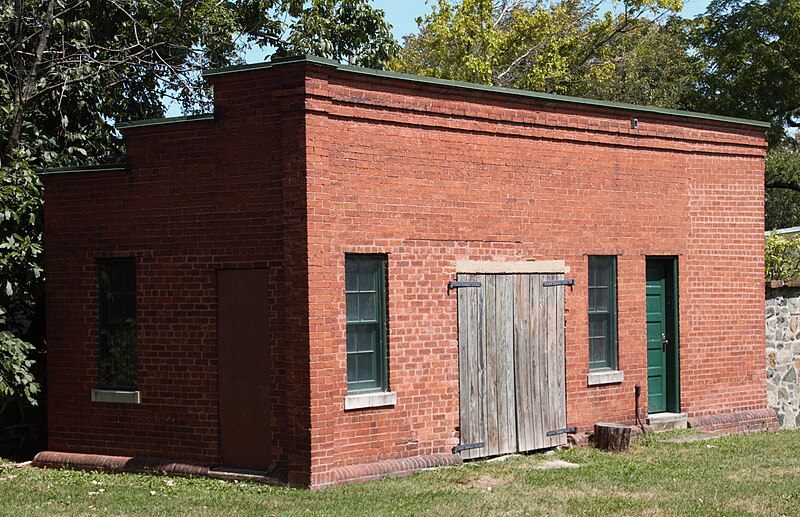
(663, 390)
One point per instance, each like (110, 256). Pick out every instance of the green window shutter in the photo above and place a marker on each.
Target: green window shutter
(365, 292)
(117, 324)
(602, 312)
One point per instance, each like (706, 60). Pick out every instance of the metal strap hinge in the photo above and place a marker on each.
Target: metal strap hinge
(468, 446)
(553, 283)
(563, 430)
(456, 285)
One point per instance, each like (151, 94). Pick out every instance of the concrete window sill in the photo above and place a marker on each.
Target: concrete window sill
(118, 397)
(605, 377)
(370, 400)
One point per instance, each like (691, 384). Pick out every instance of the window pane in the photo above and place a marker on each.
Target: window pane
(367, 310)
(598, 299)
(352, 344)
(366, 367)
(352, 367)
(598, 325)
(366, 338)
(352, 307)
(367, 275)
(597, 350)
(351, 275)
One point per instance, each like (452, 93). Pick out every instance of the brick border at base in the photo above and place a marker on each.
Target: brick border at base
(739, 422)
(53, 459)
(338, 476)
(384, 469)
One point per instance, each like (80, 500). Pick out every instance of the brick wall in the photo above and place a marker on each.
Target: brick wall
(431, 176)
(304, 164)
(201, 196)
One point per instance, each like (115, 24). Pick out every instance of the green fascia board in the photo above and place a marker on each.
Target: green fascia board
(164, 121)
(109, 167)
(447, 83)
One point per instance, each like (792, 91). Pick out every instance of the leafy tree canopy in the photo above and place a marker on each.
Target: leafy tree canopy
(567, 47)
(70, 68)
(750, 51)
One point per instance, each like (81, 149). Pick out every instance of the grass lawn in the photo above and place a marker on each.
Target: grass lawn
(737, 475)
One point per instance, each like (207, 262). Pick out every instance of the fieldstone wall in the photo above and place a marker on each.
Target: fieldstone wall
(783, 353)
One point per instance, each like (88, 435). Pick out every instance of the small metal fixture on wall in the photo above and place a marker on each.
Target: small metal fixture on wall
(635, 123)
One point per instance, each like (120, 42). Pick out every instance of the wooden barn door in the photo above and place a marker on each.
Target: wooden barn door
(511, 363)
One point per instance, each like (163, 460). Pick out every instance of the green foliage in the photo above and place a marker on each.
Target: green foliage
(782, 205)
(70, 68)
(344, 30)
(16, 379)
(566, 47)
(651, 66)
(751, 61)
(20, 276)
(782, 258)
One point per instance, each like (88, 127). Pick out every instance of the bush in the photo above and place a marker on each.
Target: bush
(782, 258)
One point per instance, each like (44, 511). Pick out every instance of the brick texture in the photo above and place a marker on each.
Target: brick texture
(305, 163)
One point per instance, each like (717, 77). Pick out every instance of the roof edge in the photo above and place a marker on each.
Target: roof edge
(419, 79)
(165, 121)
(105, 167)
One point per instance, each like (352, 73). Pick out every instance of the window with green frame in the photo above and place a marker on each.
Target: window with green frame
(117, 325)
(365, 290)
(602, 312)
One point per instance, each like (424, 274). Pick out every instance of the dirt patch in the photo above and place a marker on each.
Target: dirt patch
(484, 483)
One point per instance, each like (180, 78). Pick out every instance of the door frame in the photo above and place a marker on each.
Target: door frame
(672, 309)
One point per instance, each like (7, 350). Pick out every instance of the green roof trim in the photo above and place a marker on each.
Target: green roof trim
(107, 167)
(164, 121)
(481, 88)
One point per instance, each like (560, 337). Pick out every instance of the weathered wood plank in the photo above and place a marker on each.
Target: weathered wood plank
(506, 392)
(522, 362)
(557, 387)
(538, 360)
(464, 372)
(491, 401)
(480, 356)
(472, 396)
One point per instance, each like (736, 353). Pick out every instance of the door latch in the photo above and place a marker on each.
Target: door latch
(664, 342)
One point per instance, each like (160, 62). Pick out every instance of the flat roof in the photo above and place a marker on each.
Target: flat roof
(480, 88)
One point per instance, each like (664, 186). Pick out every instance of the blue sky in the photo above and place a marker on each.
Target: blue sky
(403, 13)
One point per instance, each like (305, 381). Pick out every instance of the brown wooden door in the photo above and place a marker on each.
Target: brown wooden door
(244, 368)
(511, 363)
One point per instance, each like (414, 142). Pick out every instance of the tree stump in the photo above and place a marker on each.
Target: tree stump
(612, 437)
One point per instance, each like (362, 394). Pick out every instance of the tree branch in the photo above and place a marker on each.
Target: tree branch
(785, 185)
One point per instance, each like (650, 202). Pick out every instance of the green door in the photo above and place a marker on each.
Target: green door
(662, 342)
(656, 338)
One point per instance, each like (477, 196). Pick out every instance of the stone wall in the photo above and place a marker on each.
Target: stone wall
(783, 354)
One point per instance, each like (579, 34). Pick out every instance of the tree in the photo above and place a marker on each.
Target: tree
(344, 30)
(70, 68)
(782, 203)
(652, 66)
(751, 59)
(750, 52)
(566, 47)
(20, 278)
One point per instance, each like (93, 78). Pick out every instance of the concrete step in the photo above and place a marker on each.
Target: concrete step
(666, 421)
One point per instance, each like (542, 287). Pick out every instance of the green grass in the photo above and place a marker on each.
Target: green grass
(737, 475)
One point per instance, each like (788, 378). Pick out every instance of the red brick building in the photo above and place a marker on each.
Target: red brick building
(271, 287)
